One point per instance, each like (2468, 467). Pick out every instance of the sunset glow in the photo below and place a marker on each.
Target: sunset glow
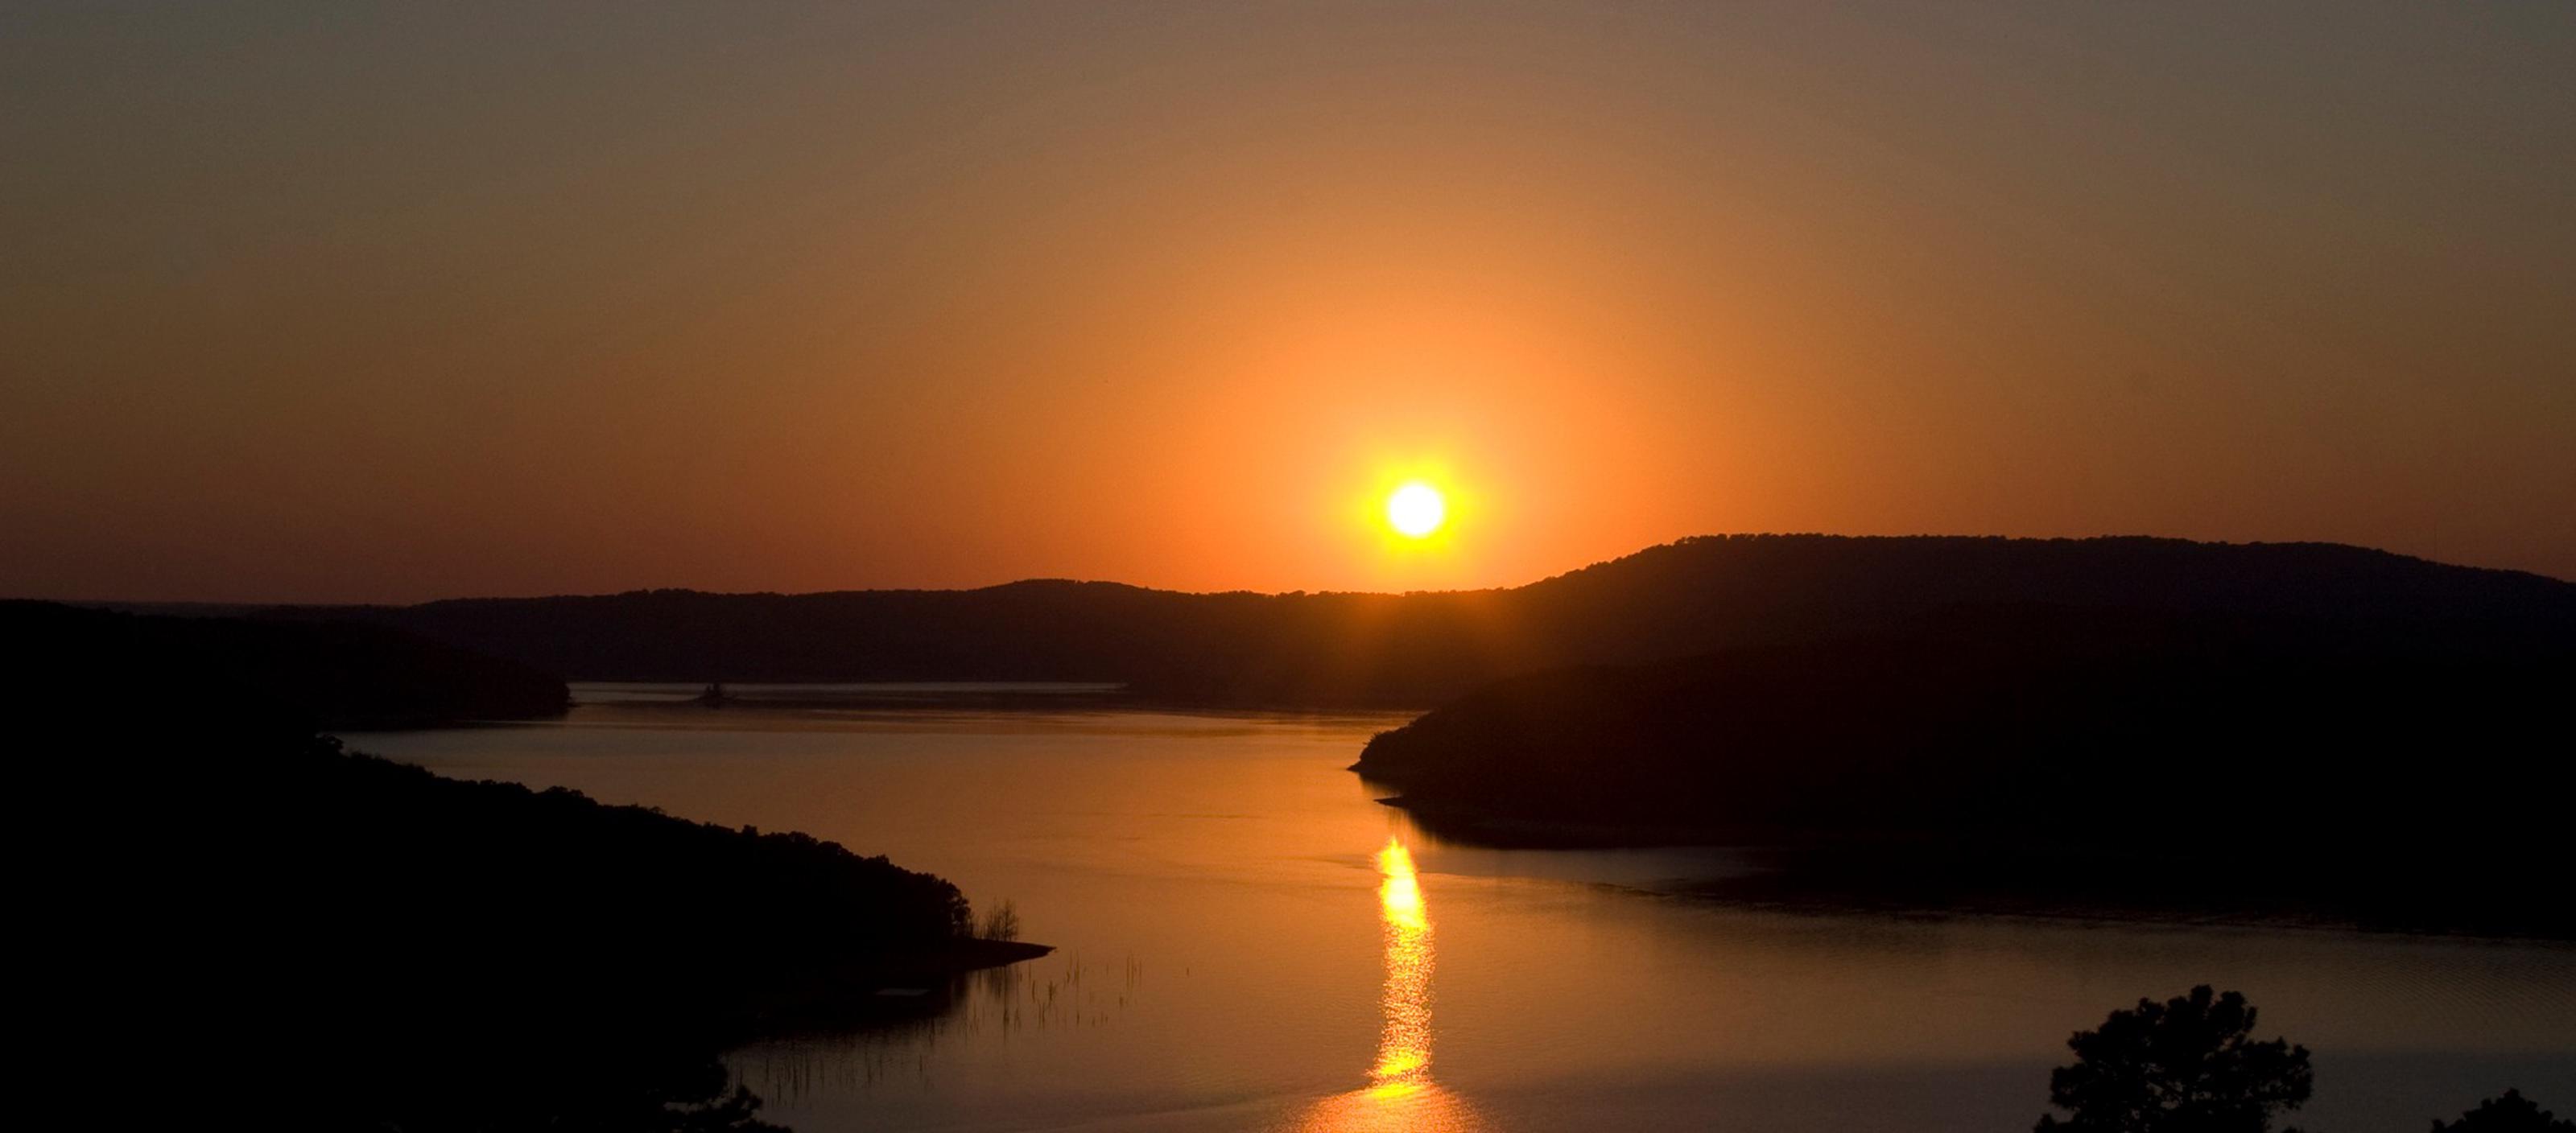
(790, 319)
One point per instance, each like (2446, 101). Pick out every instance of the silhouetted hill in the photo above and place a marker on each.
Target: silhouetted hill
(405, 951)
(477, 955)
(327, 674)
(2415, 771)
(1687, 598)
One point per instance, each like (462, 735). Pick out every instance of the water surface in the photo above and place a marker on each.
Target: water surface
(1246, 940)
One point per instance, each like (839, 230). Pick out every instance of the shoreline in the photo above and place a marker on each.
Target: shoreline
(878, 990)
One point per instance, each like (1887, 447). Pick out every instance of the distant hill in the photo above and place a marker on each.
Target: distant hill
(320, 673)
(1692, 597)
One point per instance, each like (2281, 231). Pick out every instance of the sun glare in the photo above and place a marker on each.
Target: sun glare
(1416, 510)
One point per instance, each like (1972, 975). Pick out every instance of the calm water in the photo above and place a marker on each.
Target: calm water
(1247, 941)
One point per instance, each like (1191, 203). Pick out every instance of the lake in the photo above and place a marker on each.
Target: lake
(1247, 940)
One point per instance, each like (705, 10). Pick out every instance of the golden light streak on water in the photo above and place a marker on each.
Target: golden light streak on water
(1401, 1097)
(1404, 1042)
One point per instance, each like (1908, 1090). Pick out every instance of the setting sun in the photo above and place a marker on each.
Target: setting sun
(1416, 510)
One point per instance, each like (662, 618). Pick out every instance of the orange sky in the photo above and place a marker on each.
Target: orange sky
(306, 303)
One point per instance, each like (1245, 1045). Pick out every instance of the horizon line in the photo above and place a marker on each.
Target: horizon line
(164, 604)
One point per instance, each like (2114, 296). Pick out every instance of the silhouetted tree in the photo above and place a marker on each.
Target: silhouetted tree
(1003, 923)
(2188, 1065)
(2512, 1113)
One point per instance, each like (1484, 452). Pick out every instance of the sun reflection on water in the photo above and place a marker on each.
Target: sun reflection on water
(1404, 1045)
(1401, 1095)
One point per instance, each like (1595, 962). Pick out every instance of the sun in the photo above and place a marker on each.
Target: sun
(1416, 510)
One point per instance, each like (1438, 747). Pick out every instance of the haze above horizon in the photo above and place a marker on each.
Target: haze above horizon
(320, 304)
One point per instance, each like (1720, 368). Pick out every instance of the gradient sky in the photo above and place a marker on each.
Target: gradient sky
(339, 301)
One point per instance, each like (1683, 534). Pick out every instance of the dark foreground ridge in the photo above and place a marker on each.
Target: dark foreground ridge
(2053, 758)
(1679, 600)
(412, 952)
